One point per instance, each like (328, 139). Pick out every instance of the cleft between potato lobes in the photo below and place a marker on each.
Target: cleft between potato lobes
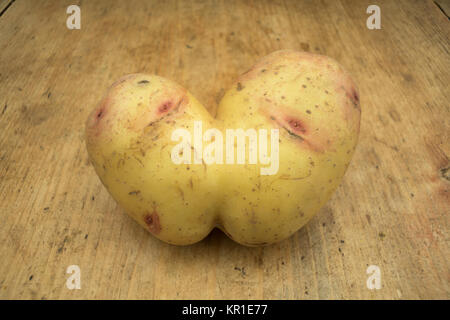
(179, 172)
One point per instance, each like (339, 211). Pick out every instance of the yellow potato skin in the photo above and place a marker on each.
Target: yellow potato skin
(309, 98)
(130, 147)
(313, 90)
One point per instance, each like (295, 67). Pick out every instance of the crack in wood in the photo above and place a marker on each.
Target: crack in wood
(7, 7)
(442, 10)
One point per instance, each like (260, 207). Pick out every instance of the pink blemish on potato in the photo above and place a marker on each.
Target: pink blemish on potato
(152, 222)
(355, 95)
(345, 85)
(165, 107)
(352, 94)
(170, 107)
(298, 128)
(96, 120)
(295, 125)
(101, 111)
(347, 97)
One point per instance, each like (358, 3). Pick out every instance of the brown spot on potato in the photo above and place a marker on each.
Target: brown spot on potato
(168, 108)
(165, 107)
(353, 96)
(95, 124)
(239, 86)
(152, 222)
(295, 125)
(101, 111)
(143, 82)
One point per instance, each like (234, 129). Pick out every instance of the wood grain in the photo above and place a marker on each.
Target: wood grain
(391, 210)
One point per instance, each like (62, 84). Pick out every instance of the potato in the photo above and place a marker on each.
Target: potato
(279, 146)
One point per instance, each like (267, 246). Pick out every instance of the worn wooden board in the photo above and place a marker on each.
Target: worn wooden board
(391, 210)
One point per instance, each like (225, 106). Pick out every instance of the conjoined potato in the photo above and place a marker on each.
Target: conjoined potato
(278, 147)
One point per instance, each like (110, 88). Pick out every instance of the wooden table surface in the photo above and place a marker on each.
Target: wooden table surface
(391, 210)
